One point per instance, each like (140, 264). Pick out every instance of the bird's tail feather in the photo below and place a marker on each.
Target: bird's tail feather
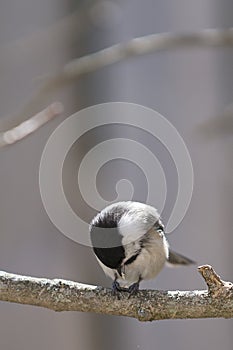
(178, 259)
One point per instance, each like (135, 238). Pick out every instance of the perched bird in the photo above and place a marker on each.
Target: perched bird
(130, 245)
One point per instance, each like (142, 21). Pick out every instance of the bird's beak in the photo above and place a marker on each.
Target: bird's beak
(121, 271)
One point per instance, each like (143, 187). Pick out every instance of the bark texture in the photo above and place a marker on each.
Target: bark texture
(147, 305)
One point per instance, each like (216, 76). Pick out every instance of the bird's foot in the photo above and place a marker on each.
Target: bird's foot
(116, 289)
(133, 289)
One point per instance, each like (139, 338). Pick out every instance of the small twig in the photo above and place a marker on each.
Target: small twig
(216, 287)
(30, 125)
(147, 305)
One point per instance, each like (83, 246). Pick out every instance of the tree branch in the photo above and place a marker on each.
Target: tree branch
(147, 305)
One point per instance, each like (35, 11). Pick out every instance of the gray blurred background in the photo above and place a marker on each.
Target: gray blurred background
(190, 87)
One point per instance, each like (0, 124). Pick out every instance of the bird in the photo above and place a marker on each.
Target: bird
(130, 244)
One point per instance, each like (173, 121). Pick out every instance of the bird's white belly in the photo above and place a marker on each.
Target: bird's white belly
(148, 263)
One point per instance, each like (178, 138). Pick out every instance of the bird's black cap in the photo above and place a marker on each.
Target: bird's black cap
(106, 238)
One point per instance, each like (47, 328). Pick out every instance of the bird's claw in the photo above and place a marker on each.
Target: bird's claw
(116, 289)
(133, 289)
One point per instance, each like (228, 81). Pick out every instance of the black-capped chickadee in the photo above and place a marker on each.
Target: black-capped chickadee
(130, 245)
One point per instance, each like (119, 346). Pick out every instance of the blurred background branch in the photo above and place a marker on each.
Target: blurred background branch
(116, 53)
(30, 125)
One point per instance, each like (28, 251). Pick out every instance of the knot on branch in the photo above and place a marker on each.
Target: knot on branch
(216, 286)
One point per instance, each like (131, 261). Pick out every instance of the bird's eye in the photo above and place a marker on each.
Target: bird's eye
(158, 227)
